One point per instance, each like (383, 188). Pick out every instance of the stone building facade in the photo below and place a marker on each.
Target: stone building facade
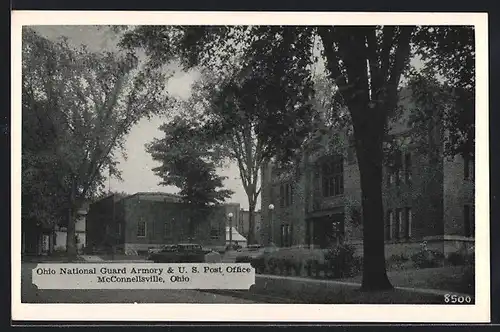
(426, 197)
(149, 220)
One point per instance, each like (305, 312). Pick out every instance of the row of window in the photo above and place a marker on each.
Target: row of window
(332, 179)
(168, 230)
(332, 183)
(399, 224)
(399, 169)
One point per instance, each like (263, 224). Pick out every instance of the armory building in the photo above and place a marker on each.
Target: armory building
(426, 196)
(149, 220)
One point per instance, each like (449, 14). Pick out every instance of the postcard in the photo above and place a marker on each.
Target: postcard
(250, 167)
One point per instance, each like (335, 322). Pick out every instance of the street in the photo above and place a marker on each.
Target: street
(30, 294)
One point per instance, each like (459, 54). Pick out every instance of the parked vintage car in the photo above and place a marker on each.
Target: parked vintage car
(165, 248)
(180, 253)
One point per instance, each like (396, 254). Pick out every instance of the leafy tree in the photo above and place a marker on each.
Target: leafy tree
(249, 126)
(187, 163)
(444, 90)
(87, 103)
(186, 158)
(365, 63)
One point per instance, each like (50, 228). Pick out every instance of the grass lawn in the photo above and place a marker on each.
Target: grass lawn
(442, 278)
(275, 291)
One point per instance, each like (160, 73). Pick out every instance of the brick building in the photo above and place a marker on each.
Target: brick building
(426, 196)
(148, 220)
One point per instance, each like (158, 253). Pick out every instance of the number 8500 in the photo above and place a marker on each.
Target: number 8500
(451, 298)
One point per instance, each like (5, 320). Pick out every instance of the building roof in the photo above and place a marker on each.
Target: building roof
(155, 196)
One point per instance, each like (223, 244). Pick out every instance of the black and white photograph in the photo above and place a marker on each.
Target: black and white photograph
(337, 160)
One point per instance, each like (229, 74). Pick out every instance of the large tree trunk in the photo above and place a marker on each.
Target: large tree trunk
(251, 221)
(71, 227)
(71, 233)
(369, 138)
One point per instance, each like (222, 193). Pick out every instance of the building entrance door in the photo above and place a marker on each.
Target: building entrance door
(328, 230)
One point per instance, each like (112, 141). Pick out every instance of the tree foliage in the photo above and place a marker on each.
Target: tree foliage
(186, 159)
(449, 96)
(77, 108)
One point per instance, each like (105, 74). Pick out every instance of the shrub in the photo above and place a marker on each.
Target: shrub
(258, 264)
(314, 267)
(469, 274)
(243, 259)
(291, 260)
(426, 258)
(297, 267)
(397, 261)
(282, 264)
(272, 265)
(456, 258)
(342, 261)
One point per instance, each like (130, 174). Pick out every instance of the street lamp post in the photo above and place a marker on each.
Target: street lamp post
(271, 225)
(230, 215)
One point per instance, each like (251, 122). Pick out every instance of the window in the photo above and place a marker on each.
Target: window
(333, 178)
(398, 167)
(399, 224)
(394, 169)
(214, 233)
(408, 167)
(119, 229)
(286, 235)
(389, 226)
(282, 196)
(468, 168)
(141, 229)
(167, 229)
(469, 229)
(408, 223)
(286, 195)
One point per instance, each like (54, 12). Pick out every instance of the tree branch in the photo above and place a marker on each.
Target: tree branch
(332, 59)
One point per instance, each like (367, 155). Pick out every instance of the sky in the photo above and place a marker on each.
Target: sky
(137, 174)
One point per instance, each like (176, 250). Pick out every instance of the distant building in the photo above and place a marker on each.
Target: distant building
(44, 237)
(80, 231)
(244, 224)
(235, 237)
(148, 220)
(425, 197)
